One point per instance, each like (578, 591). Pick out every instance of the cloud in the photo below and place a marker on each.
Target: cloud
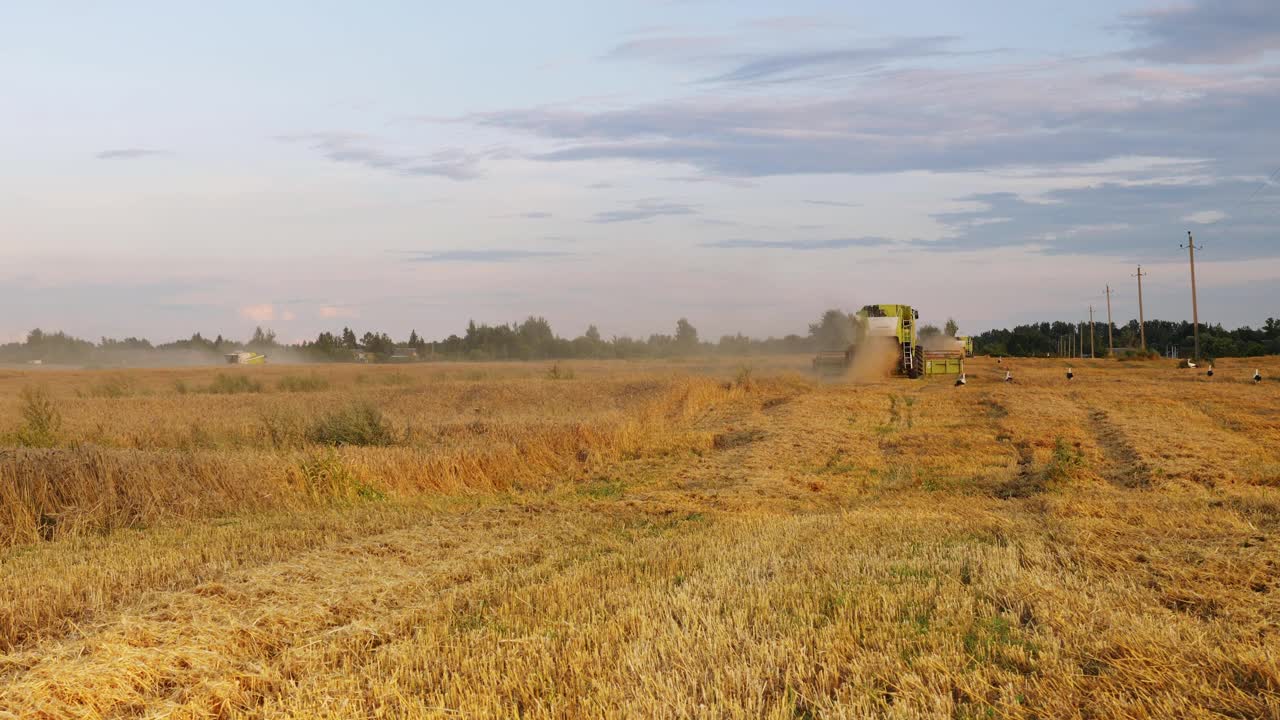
(482, 256)
(1137, 220)
(455, 164)
(1051, 114)
(337, 311)
(1204, 217)
(834, 203)
(129, 153)
(832, 244)
(644, 210)
(1207, 31)
(662, 47)
(805, 64)
(264, 312)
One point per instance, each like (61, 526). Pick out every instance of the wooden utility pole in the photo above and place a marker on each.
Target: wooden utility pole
(1142, 320)
(1093, 353)
(1111, 342)
(1195, 308)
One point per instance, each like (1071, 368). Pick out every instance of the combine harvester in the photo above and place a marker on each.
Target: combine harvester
(885, 338)
(246, 358)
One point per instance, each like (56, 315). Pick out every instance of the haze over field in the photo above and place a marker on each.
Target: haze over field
(171, 167)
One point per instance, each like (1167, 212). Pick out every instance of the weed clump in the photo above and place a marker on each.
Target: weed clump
(327, 478)
(117, 386)
(559, 373)
(360, 423)
(233, 385)
(303, 383)
(42, 421)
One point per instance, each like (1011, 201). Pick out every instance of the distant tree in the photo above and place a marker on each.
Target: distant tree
(686, 336)
(951, 328)
(834, 331)
(929, 331)
(349, 339)
(592, 334)
(379, 344)
(262, 339)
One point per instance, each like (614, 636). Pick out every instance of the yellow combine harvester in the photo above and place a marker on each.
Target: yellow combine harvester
(885, 338)
(246, 358)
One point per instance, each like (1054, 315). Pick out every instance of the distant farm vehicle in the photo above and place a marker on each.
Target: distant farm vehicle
(885, 337)
(246, 358)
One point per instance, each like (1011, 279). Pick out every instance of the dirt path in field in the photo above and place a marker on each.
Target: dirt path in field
(1124, 465)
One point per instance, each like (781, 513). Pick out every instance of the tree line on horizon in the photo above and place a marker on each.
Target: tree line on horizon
(1163, 336)
(534, 339)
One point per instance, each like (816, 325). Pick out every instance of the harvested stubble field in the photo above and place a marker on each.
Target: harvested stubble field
(640, 540)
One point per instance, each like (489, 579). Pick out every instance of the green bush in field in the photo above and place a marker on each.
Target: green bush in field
(233, 385)
(360, 423)
(42, 422)
(303, 383)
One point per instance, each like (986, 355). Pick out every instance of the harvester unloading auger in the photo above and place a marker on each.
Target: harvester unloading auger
(885, 339)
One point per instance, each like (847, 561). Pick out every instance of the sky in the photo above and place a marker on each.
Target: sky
(171, 167)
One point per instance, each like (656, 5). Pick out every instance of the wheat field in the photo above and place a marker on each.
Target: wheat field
(700, 539)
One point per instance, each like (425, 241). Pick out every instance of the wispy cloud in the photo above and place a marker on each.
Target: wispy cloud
(337, 311)
(644, 210)
(792, 65)
(482, 256)
(129, 153)
(1207, 31)
(455, 164)
(831, 244)
(1204, 217)
(834, 203)
(263, 312)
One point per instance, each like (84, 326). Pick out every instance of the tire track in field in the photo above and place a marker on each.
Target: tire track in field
(1124, 467)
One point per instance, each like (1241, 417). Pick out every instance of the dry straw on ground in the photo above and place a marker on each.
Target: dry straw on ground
(643, 540)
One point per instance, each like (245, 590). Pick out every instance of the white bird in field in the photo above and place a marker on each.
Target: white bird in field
(1008, 376)
(1070, 373)
(960, 381)
(1191, 363)
(1257, 376)
(1209, 372)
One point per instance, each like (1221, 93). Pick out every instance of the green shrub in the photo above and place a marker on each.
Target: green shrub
(303, 383)
(326, 477)
(360, 423)
(233, 385)
(116, 386)
(42, 422)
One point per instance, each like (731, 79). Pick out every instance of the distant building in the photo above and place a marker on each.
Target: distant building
(404, 353)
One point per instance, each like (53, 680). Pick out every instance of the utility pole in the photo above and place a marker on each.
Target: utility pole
(1111, 343)
(1195, 308)
(1142, 320)
(1092, 351)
